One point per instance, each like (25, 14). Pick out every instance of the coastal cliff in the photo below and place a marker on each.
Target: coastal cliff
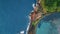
(42, 8)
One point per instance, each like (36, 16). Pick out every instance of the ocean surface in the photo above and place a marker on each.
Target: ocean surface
(49, 24)
(14, 15)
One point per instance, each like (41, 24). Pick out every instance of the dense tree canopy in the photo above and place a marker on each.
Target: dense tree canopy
(51, 5)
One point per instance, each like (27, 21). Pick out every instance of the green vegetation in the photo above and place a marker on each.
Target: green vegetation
(34, 23)
(51, 5)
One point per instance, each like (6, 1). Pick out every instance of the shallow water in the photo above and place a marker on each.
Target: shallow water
(49, 24)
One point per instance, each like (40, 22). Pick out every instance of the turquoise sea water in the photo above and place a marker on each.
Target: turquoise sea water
(49, 24)
(13, 15)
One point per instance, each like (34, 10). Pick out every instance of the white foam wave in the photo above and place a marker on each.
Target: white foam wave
(22, 32)
(33, 5)
(28, 25)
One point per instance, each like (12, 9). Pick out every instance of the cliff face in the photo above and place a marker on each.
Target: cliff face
(42, 8)
(35, 16)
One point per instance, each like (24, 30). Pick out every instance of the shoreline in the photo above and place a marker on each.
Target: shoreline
(28, 25)
(36, 16)
(37, 23)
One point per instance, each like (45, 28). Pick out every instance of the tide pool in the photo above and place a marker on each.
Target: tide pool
(49, 24)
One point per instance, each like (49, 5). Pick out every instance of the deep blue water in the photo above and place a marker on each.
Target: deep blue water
(13, 15)
(49, 24)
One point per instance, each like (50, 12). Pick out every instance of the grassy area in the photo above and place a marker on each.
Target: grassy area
(50, 5)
